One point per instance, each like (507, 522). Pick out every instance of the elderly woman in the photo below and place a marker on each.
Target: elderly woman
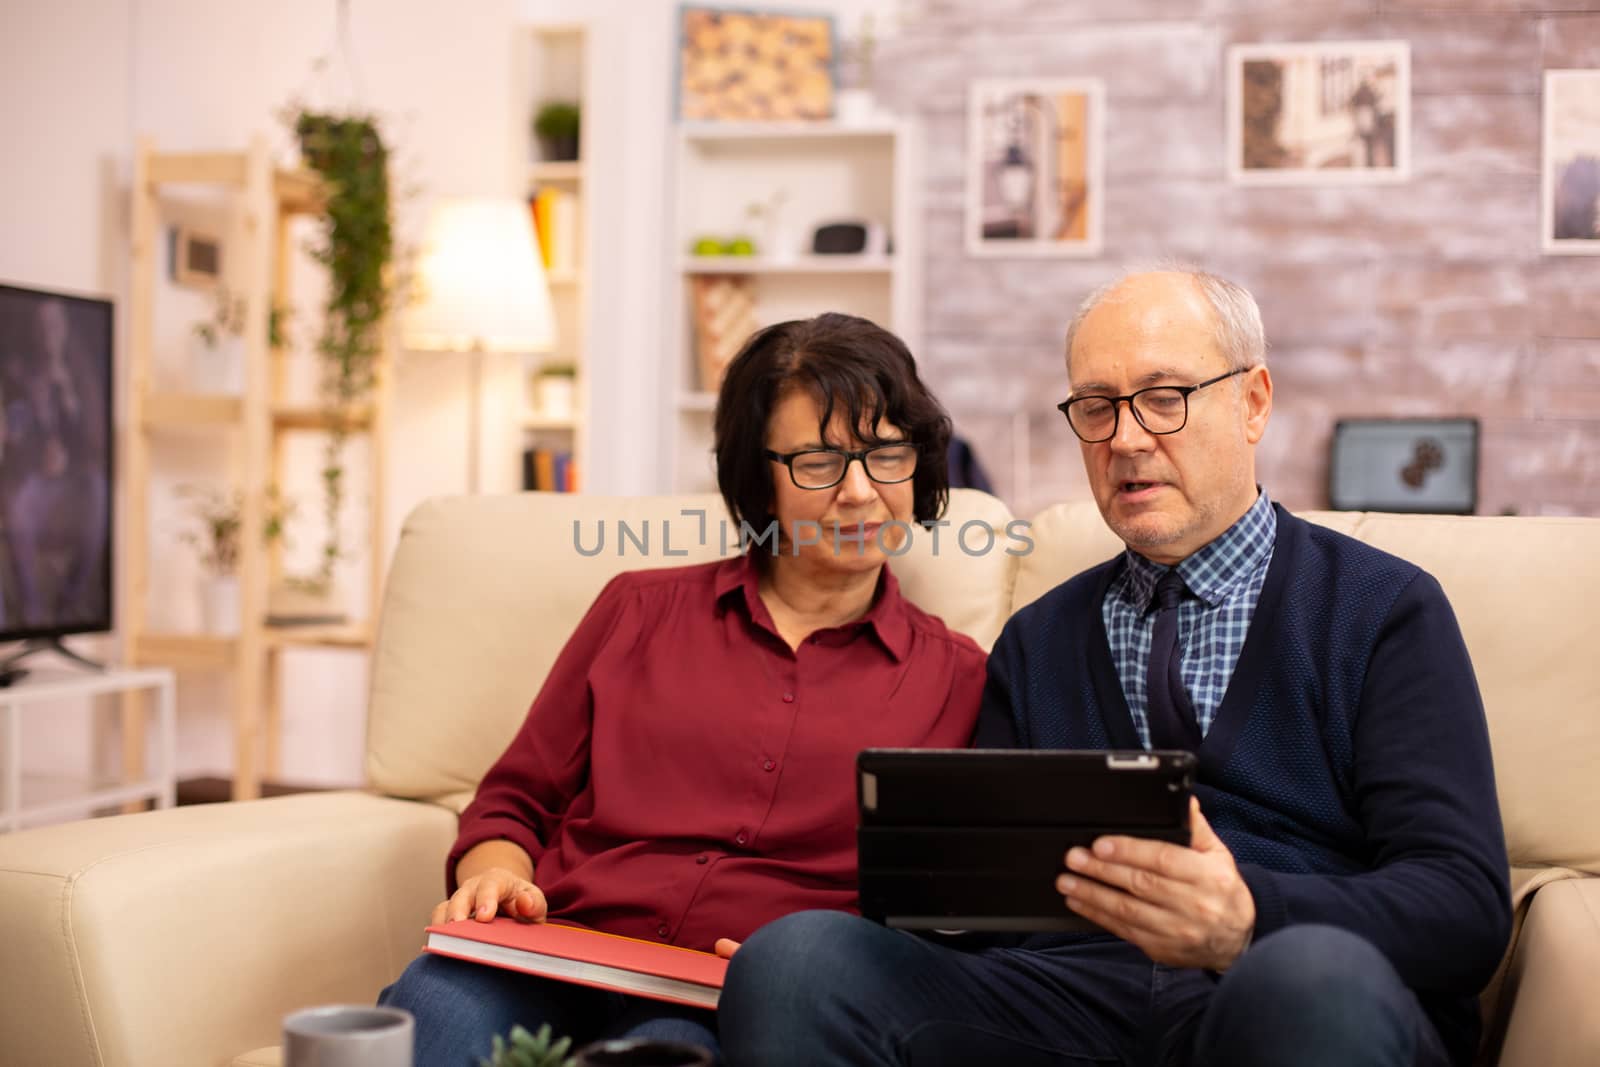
(686, 773)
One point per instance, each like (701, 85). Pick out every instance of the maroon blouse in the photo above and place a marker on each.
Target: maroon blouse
(684, 775)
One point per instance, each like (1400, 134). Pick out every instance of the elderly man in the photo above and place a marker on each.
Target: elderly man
(1344, 894)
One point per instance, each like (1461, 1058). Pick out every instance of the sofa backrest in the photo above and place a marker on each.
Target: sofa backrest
(1525, 591)
(484, 591)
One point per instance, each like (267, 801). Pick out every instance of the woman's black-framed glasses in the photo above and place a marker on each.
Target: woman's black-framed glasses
(823, 468)
(1160, 409)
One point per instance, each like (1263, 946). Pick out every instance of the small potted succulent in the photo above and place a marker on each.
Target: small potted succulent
(542, 1049)
(529, 1050)
(556, 125)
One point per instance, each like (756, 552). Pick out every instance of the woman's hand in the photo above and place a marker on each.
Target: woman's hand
(726, 947)
(488, 892)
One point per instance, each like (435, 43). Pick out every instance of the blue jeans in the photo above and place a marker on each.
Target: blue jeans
(461, 1006)
(826, 987)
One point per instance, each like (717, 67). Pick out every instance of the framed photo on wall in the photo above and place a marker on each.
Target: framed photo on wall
(754, 66)
(196, 257)
(1322, 113)
(1570, 212)
(1409, 465)
(1035, 166)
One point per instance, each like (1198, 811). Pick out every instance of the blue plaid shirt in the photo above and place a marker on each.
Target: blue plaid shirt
(1225, 577)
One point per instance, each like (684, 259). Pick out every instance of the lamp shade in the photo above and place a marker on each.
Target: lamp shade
(480, 282)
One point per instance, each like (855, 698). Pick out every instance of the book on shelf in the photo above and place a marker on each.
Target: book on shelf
(539, 205)
(586, 957)
(555, 223)
(549, 470)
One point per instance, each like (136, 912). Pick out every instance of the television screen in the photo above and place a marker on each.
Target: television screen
(55, 464)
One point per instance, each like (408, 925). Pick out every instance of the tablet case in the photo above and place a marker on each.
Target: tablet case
(973, 839)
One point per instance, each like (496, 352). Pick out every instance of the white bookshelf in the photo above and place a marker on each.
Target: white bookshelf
(556, 66)
(799, 264)
(827, 173)
(556, 170)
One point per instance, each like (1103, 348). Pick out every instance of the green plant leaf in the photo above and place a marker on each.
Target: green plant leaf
(357, 248)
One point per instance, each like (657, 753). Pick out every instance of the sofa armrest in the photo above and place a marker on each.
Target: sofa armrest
(1554, 980)
(185, 935)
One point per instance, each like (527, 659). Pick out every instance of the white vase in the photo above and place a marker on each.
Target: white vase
(220, 605)
(556, 394)
(217, 366)
(854, 107)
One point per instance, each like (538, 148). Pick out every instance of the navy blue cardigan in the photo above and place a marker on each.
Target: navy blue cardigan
(1347, 768)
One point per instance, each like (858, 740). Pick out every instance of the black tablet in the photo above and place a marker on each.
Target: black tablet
(972, 839)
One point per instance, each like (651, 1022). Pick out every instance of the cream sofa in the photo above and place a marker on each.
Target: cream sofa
(180, 938)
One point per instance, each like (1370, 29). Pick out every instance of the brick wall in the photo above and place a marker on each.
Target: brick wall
(1425, 298)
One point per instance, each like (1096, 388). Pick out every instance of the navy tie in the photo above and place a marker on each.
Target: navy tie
(1172, 719)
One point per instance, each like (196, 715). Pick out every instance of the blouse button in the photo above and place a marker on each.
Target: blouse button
(662, 929)
(740, 838)
(768, 765)
(702, 858)
(788, 698)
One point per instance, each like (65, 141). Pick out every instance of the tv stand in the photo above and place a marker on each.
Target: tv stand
(26, 800)
(11, 673)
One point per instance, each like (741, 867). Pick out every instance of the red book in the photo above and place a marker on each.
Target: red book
(586, 957)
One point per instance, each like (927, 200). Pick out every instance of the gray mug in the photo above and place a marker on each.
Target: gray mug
(348, 1035)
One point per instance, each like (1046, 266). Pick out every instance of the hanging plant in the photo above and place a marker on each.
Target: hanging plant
(356, 245)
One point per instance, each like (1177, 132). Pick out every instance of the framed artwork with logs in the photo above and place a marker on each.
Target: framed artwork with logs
(754, 66)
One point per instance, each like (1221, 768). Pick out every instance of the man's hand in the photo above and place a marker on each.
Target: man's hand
(491, 891)
(1185, 907)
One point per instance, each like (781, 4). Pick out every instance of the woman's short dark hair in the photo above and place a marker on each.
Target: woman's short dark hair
(845, 362)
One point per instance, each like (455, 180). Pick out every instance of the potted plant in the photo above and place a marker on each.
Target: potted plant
(218, 518)
(218, 352)
(853, 102)
(218, 355)
(529, 1050)
(555, 389)
(356, 245)
(556, 125)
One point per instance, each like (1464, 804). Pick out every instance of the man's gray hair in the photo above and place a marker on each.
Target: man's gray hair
(1239, 335)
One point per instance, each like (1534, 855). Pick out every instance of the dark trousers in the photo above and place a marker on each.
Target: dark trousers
(461, 1006)
(831, 988)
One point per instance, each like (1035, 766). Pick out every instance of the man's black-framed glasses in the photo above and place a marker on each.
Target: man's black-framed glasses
(823, 468)
(1160, 409)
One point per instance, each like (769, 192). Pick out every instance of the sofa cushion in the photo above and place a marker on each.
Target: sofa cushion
(484, 591)
(1067, 538)
(1523, 589)
(1554, 981)
(184, 936)
(965, 577)
(482, 594)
